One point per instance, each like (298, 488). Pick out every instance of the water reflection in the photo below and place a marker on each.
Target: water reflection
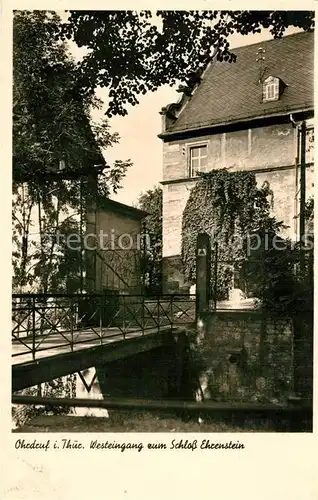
(94, 392)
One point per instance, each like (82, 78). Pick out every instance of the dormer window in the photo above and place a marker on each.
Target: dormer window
(271, 89)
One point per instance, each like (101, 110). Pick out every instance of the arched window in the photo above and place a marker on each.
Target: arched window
(271, 89)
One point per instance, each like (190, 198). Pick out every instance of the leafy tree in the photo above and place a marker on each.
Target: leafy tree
(133, 52)
(270, 272)
(309, 213)
(151, 202)
(55, 149)
(274, 275)
(53, 139)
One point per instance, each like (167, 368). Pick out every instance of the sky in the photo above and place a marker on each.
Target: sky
(139, 130)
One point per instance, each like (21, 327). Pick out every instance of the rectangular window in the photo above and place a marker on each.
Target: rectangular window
(198, 160)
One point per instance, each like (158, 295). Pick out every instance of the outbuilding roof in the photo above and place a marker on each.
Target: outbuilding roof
(109, 205)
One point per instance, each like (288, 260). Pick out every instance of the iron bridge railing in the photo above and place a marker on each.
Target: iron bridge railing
(65, 322)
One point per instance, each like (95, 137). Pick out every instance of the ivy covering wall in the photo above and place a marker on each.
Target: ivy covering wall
(230, 207)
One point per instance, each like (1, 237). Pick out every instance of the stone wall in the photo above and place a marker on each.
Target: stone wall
(249, 149)
(238, 356)
(245, 356)
(269, 151)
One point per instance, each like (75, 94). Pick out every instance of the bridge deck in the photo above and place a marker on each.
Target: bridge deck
(59, 343)
(57, 334)
(52, 359)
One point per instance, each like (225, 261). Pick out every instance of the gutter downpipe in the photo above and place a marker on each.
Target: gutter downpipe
(296, 139)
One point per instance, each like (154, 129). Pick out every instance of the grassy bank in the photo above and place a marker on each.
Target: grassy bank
(129, 421)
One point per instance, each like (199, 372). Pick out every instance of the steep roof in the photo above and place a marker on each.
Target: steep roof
(231, 92)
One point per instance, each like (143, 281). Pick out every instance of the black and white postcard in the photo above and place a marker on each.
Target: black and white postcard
(161, 270)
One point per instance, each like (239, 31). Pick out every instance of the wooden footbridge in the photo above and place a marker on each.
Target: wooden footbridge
(58, 334)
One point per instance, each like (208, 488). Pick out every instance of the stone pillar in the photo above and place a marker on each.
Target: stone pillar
(203, 265)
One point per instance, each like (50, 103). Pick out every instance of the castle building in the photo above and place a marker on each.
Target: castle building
(244, 115)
